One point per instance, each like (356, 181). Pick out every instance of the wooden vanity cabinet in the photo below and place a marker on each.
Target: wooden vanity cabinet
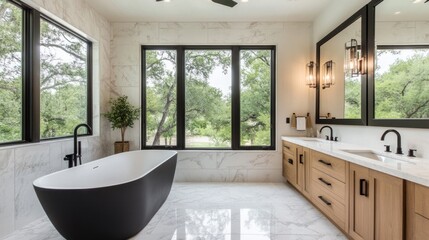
(376, 205)
(417, 219)
(296, 167)
(304, 178)
(329, 186)
(290, 165)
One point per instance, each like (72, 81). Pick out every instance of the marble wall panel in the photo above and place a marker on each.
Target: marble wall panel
(30, 163)
(7, 205)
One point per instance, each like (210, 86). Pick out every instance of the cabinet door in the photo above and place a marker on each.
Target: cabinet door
(388, 206)
(301, 168)
(306, 173)
(291, 169)
(361, 214)
(284, 162)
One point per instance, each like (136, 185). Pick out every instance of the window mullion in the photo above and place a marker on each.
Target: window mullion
(180, 98)
(273, 98)
(32, 76)
(235, 99)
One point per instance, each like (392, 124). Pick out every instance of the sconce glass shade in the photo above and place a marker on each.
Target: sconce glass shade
(352, 59)
(328, 74)
(310, 75)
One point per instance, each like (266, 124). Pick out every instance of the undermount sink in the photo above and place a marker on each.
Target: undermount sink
(312, 140)
(373, 155)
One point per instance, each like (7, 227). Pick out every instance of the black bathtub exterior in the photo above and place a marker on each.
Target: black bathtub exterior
(114, 212)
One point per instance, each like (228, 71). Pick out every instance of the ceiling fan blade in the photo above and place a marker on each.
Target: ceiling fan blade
(228, 3)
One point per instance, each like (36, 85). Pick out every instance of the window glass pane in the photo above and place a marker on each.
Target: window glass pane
(401, 83)
(255, 97)
(10, 72)
(161, 88)
(63, 81)
(208, 98)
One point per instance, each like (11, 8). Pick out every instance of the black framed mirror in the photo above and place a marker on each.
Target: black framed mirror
(398, 57)
(341, 92)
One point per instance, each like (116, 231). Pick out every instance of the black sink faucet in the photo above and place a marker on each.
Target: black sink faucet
(331, 137)
(77, 149)
(398, 146)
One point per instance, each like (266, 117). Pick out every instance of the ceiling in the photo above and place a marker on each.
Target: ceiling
(207, 11)
(404, 10)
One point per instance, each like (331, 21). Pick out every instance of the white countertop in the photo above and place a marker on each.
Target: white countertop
(411, 169)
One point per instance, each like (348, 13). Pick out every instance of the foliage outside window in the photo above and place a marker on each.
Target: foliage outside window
(190, 102)
(402, 83)
(208, 98)
(11, 80)
(64, 81)
(59, 63)
(255, 97)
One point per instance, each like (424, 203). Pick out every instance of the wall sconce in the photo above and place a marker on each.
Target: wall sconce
(328, 74)
(310, 75)
(353, 63)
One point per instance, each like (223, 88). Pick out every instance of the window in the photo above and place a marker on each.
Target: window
(161, 89)
(255, 97)
(208, 97)
(45, 76)
(11, 69)
(63, 81)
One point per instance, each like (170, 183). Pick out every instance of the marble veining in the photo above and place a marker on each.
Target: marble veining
(223, 211)
(7, 206)
(30, 163)
(228, 166)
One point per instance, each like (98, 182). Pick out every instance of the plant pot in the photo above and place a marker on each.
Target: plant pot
(119, 147)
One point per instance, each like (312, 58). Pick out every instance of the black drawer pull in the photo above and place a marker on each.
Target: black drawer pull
(325, 201)
(290, 161)
(300, 159)
(363, 187)
(325, 182)
(324, 162)
(287, 147)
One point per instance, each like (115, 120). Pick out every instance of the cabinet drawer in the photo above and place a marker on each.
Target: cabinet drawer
(330, 184)
(330, 206)
(334, 167)
(289, 148)
(421, 227)
(422, 200)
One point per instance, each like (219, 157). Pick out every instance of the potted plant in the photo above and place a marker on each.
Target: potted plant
(122, 115)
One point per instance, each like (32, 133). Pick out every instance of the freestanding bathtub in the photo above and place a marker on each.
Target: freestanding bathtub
(111, 198)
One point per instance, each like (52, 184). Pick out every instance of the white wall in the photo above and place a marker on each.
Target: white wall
(293, 41)
(367, 136)
(20, 165)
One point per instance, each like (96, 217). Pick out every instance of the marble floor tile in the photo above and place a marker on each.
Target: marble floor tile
(222, 211)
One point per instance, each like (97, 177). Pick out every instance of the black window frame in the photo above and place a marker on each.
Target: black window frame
(31, 75)
(235, 94)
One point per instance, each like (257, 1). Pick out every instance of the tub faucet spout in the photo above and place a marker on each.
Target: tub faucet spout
(77, 149)
(77, 152)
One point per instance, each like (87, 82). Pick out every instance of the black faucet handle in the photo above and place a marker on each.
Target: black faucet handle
(336, 139)
(387, 148)
(327, 137)
(411, 152)
(69, 157)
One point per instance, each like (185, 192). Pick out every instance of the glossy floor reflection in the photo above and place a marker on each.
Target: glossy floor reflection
(223, 211)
